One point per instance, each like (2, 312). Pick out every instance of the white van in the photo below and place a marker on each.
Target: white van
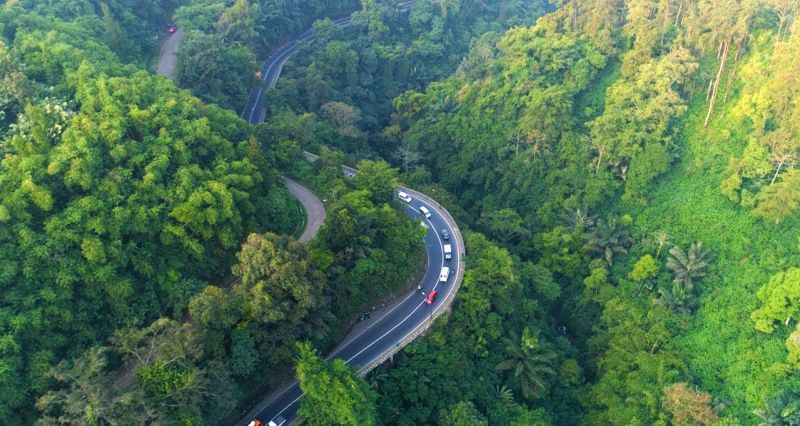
(425, 211)
(444, 275)
(448, 251)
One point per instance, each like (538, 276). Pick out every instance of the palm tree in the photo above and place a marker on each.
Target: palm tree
(578, 218)
(531, 365)
(782, 409)
(677, 300)
(609, 238)
(505, 395)
(687, 266)
(377, 377)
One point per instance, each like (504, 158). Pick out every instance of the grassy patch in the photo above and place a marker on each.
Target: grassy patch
(724, 352)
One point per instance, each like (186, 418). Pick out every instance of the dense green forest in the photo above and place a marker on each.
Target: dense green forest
(147, 268)
(635, 161)
(625, 173)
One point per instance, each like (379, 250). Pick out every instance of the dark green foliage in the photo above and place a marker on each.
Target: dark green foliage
(385, 52)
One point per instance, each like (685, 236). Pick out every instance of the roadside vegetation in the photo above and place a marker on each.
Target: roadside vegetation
(625, 173)
(126, 208)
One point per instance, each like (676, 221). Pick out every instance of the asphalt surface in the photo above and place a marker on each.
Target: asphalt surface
(406, 316)
(315, 211)
(389, 329)
(255, 108)
(167, 59)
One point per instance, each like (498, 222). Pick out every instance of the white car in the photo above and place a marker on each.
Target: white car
(403, 196)
(444, 274)
(425, 211)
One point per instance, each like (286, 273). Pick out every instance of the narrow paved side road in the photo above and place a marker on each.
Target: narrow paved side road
(167, 60)
(315, 211)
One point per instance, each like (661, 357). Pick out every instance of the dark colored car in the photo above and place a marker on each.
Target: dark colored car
(445, 234)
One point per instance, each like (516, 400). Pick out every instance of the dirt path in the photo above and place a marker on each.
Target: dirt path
(315, 211)
(167, 59)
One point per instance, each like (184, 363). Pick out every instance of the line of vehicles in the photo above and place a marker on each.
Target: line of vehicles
(430, 297)
(447, 248)
(277, 421)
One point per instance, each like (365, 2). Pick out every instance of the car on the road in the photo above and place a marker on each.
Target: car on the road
(277, 421)
(172, 28)
(255, 422)
(444, 274)
(403, 196)
(431, 297)
(448, 252)
(445, 234)
(425, 211)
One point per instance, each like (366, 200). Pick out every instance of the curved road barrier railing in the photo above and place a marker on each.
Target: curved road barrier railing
(445, 306)
(350, 172)
(406, 318)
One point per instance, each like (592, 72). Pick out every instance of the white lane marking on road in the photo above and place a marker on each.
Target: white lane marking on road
(343, 344)
(404, 319)
(418, 306)
(290, 50)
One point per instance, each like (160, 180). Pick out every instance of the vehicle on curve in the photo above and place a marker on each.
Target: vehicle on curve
(431, 297)
(277, 421)
(448, 252)
(255, 422)
(403, 196)
(445, 234)
(425, 211)
(444, 274)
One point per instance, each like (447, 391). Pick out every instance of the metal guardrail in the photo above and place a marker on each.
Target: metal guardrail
(448, 299)
(350, 172)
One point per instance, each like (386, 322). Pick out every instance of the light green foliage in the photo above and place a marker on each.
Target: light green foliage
(780, 299)
(793, 347)
(333, 392)
(644, 269)
(781, 200)
(596, 284)
(378, 178)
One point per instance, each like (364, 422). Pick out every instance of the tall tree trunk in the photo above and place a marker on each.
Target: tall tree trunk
(723, 59)
(731, 76)
(776, 172)
(710, 86)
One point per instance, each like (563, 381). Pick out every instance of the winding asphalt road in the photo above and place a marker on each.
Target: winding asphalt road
(409, 316)
(255, 108)
(167, 59)
(402, 321)
(315, 211)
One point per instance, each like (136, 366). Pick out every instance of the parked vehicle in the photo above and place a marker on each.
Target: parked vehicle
(431, 297)
(403, 196)
(444, 274)
(425, 211)
(445, 234)
(448, 252)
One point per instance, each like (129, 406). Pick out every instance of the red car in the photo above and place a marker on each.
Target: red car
(172, 29)
(431, 297)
